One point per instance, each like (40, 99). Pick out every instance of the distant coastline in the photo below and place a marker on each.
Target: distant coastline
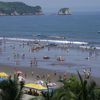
(18, 9)
(22, 9)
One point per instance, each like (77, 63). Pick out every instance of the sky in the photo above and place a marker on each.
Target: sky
(54, 5)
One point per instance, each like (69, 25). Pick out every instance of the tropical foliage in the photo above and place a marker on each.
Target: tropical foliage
(11, 89)
(73, 89)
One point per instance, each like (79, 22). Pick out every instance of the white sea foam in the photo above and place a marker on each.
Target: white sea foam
(63, 42)
(89, 47)
(43, 40)
(98, 48)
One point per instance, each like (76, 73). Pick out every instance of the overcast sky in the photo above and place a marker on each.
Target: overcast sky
(55, 5)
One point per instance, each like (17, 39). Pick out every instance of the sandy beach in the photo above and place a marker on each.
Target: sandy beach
(60, 57)
(32, 77)
(39, 61)
(30, 74)
(51, 47)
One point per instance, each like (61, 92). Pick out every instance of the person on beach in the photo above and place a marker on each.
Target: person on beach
(37, 76)
(14, 55)
(65, 76)
(48, 48)
(90, 53)
(9, 77)
(35, 61)
(36, 93)
(18, 55)
(55, 73)
(31, 63)
(87, 73)
(32, 73)
(23, 44)
(48, 77)
(17, 62)
(23, 56)
(43, 76)
(30, 92)
(60, 77)
(0, 50)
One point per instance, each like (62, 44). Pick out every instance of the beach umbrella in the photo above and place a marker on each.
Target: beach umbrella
(35, 86)
(2, 79)
(3, 75)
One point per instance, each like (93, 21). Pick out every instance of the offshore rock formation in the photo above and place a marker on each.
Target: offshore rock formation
(64, 11)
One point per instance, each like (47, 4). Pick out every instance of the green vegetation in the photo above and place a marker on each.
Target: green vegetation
(18, 8)
(72, 89)
(75, 89)
(11, 89)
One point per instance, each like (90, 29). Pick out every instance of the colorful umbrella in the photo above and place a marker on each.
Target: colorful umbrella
(35, 86)
(3, 75)
(2, 79)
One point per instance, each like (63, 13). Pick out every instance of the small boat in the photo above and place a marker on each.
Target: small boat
(87, 58)
(46, 57)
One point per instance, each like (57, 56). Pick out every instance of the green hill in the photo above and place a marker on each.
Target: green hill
(18, 8)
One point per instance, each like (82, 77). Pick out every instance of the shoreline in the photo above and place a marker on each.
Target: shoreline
(72, 44)
(63, 41)
(20, 53)
(10, 70)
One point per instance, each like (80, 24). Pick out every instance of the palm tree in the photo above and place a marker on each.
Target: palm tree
(11, 89)
(68, 91)
(88, 90)
(74, 89)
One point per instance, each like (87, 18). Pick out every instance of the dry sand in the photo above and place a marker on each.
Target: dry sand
(10, 70)
(43, 74)
(38, 74)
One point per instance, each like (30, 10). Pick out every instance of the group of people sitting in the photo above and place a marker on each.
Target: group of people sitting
(33, 92)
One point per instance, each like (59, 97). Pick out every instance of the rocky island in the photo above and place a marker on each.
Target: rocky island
(18, 8)
(64, 11)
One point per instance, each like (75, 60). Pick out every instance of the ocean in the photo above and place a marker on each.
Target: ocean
(76, 27)
(79, 28)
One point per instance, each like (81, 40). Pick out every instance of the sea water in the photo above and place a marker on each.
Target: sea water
(81, 28)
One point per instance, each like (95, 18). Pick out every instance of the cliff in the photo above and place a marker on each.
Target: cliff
(18, 8)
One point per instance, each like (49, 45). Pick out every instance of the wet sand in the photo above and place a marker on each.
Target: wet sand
(29, 54)
(17, 55)
(32, 77)
(32, 74)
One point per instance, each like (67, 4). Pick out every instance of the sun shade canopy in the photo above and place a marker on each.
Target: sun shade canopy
(35, 86)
